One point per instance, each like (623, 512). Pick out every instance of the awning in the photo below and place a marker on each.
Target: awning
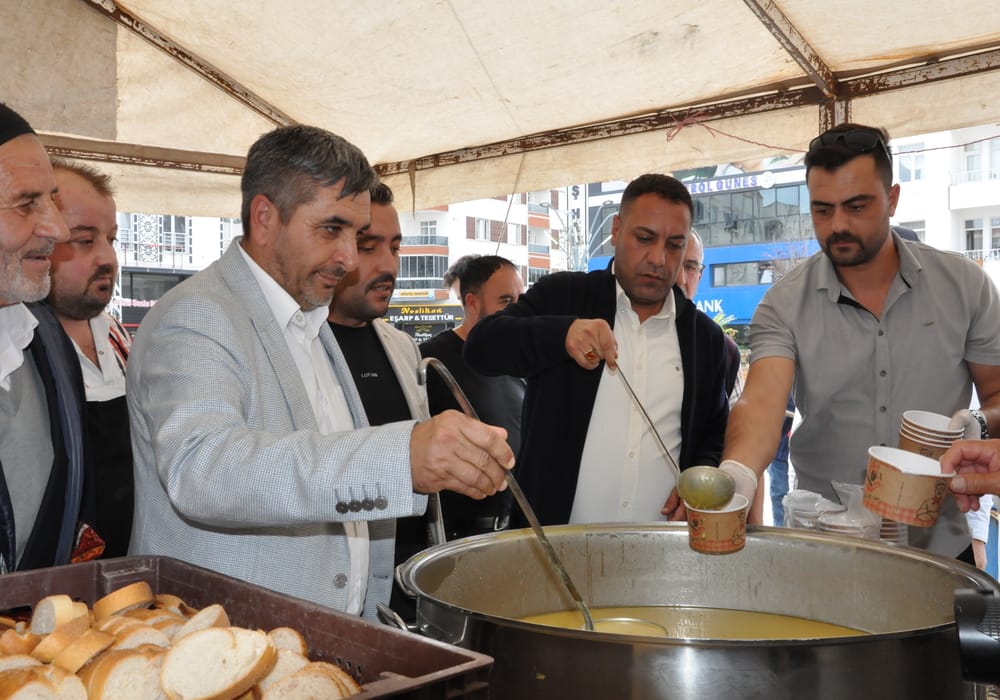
(474, 99)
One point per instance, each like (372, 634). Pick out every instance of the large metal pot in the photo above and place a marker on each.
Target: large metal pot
(468, 592)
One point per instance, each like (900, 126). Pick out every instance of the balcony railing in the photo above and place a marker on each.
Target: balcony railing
(424, 239)
(159, 255)
(540, 248)
(981, 255)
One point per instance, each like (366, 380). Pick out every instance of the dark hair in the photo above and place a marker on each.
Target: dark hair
(454, 273)
(98, 180)
(478, 271)
(288, 164)
(663, 186)
(845, 142)
(381, 194)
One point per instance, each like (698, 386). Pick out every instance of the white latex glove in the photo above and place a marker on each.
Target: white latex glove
(745, 477)
(965, 419)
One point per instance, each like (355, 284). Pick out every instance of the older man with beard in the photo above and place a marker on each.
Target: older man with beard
(45, 489)
(84, 271)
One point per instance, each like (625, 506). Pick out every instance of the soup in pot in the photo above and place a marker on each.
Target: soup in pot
(695, 623)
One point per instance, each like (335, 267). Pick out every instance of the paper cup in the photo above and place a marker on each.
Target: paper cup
(905, 487)
(721, 531)
(933, 424)
(926, 448)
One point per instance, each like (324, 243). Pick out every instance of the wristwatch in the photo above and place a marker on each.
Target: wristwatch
(984, 430)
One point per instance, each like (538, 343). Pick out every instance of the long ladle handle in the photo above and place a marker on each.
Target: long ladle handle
(649, 423)
(515, 489)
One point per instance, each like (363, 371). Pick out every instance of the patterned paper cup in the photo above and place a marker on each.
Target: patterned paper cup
(905, 487)
(932, 449)
(721, 531)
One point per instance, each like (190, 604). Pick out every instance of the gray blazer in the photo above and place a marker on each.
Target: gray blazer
(230, 472)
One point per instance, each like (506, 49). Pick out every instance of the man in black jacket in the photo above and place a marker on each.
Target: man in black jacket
(586, 454)
(45, 491)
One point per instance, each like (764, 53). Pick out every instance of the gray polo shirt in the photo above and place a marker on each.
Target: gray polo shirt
(855, 374)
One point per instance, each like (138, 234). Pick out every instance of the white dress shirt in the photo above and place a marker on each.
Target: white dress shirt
(17, 328)
(624, 475)
(301, 331)
(106, 380)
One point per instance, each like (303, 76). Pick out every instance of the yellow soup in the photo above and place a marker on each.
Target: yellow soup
(695, 623)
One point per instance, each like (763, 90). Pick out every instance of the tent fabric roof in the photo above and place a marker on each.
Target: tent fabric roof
(466, 99)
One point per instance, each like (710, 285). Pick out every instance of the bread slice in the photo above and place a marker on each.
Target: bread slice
(60, 638)
(288, 662)
(211, 616)
(287, 638)
(132, 674)
(19, 640)
(168, 601)
(67, 685)
(347, 681)
(217, 663)
(40, 683)
(139, 635)
(118, 623)
(130, 597)
(25, 684)
(18, 661)
(51, 612)
(87, 646)
(316, 680)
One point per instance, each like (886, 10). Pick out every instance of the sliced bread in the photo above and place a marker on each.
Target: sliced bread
(131, 597)
(218, 663)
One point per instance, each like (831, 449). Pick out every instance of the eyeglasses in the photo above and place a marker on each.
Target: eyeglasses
(857, 140)
(694, 267)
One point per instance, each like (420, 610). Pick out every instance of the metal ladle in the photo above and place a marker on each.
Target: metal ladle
(707, 488)
(515, 489)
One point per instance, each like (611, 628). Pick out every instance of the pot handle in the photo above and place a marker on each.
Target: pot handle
(400, 575)
(390, 617)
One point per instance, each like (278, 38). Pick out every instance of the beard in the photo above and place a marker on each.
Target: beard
(15, 285)
(859, 254)
(88, 304)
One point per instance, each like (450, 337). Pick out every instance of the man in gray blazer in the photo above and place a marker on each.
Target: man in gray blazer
(254, 456)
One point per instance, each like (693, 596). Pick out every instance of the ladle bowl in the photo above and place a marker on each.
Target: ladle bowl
(706, 488)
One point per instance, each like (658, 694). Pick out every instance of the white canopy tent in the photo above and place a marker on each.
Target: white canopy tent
(467, 98)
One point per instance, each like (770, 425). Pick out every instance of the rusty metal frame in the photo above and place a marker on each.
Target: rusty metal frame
(775, 21)
(773, 99)
(213, 75)
(147, 156)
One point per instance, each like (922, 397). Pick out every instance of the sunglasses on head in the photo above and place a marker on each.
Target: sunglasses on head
(857, 140)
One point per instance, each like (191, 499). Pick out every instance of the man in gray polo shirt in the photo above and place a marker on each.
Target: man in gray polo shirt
(869, 327)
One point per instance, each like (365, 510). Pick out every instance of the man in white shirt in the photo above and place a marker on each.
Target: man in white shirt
(84, 272)
(43, 465)
(587, 454)
(253, 454)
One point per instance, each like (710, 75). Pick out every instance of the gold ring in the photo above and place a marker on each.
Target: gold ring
(590, 355)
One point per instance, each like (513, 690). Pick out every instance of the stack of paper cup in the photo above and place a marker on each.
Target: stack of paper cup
(927, 434)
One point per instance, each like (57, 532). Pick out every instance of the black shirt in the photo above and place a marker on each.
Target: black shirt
(497, 400)
(377, 384)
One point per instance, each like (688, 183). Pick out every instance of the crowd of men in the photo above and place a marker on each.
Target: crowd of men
(265, 423)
